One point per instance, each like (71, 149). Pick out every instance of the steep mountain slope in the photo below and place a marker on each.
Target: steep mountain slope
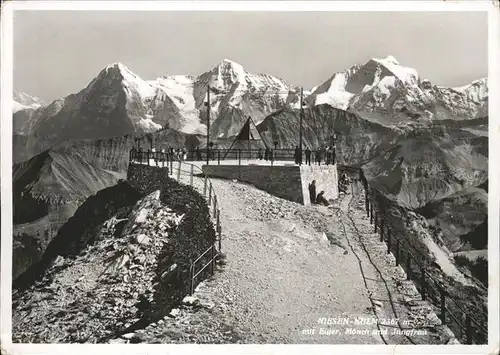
(47, 189)
(115, 103)
(389, 93)
(358, 139)
(426, 165)
(461, 218)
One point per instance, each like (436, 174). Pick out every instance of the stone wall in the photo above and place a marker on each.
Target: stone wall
(289, 182)
(146, 179)
(280, 181)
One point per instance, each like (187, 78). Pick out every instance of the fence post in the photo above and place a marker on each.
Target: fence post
(218, 156)
(443, 306)
(192, 173)
(381, 229)
(205, 186)
(408, 267)
(209, 194)
(219, 230)
(179, 172)
(389, 240)
(191, 280)
(468, 329)
(423, 288)
(215, 205)
(212, 256)
(371, 213)
(397, 252)
(376, 220)
(239, 156)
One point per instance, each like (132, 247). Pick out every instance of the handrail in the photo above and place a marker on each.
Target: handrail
(425, 276)
(202, 255)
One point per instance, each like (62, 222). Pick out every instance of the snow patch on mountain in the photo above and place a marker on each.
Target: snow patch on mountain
(130, 79)
(336, 95)
(180, 88)
(405, 74)
(147, 124)
(23, 101)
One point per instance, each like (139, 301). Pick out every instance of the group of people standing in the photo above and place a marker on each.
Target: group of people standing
(324, 154)
(161, 155)
(266, 154)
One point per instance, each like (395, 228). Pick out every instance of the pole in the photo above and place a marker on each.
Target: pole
(300, 126)
(208, 122)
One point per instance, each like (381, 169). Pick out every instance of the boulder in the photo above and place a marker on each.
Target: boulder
(142, 239)
(174, 312)
(190, 300)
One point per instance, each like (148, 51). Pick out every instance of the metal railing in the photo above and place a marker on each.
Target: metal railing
(218, 155)
(282, 154)
(417, 267)
(179, 170)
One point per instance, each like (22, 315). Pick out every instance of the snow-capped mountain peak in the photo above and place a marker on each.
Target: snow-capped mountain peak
(130, 80)
(391, 91)
(405, 74)
(228, 73)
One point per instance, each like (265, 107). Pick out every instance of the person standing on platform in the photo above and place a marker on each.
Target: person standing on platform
(308, 156)
(297, 155)
(198, 154)
(312, 192)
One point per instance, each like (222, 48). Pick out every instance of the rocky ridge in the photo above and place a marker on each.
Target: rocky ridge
(107, 287)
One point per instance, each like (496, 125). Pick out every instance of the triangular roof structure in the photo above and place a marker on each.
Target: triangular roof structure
(248, 138)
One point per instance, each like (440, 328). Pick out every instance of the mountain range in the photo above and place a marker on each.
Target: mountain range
(119, 102)
(422, 145)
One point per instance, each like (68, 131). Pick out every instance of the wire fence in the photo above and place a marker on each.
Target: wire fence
(191, 175)
(468, 328)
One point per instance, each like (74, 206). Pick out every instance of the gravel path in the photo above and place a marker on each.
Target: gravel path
(292, 272)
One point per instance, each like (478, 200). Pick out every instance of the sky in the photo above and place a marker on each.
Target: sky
(57, 53)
